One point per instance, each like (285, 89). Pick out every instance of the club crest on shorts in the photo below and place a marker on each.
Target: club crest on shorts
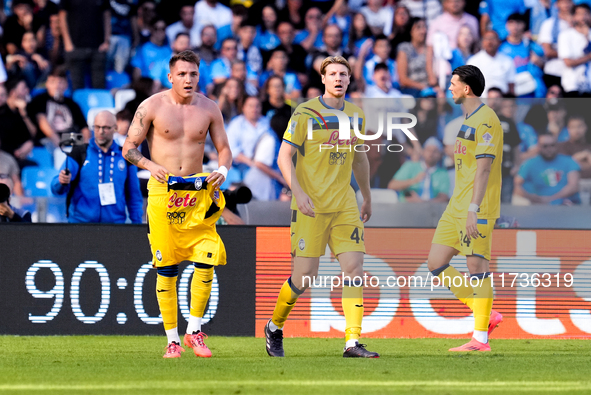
(198, 183)
(302, 244)
(159, 255)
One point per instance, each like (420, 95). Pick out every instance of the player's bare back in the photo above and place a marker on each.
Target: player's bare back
(177, 136)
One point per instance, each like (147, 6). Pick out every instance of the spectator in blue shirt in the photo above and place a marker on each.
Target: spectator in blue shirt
(278, 66)
(549, 178)
(496, 12)
(266, 38)
(221, 68)
(311, 37)
(147, 61)
(526, 55)
(466, 47)
(182, 42)
(105, 184)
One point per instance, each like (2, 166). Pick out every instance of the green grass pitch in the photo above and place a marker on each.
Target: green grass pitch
(134, 365)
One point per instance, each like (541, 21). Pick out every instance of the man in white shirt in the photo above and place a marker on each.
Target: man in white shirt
(210, 12)
(185, 25)
(379, 18)
(426, 9)
(253, 148)
(498, 69)
(574, 49)
(548, 39)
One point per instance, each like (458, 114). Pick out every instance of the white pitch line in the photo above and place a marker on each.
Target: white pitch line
(517, 386)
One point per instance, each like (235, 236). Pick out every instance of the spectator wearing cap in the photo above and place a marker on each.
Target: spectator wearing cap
(575, 50)
(577, 146)
(498, 69)
(424, 180)
(147, 61)
(526, 55)
(16, 128)
(186, 24)
(86, 30)
(550, 30)
(311, 36)
(549, 178)
(494, 14)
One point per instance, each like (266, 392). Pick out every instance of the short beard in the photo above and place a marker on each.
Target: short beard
(459, 100)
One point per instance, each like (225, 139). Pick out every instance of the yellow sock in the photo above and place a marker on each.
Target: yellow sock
(167, 300)
(201, 289)
(465, 292)
(352, 302)
(483, 300)
(285, 301)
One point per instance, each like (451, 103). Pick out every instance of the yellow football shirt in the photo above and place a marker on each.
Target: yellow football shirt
(324, 162)
(481, 136)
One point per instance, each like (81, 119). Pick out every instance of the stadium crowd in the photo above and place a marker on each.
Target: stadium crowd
(259, 58)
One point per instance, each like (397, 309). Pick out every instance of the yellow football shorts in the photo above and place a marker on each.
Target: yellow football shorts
(182, 214)
(342, 231)
(451, 231)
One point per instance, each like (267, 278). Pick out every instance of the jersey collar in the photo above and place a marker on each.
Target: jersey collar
(327, 106)
(474, 112)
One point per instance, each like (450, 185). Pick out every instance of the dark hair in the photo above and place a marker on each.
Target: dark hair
(352, 35)
(12, 83)
(546, 133)
(250, 97)
(248, 22)
(155, 20)
(59, 72)
(576, 116)
(582, 5)
(181, 34)
(186, 56)
(380, 37)
(264, 94)
(471, 76)
(124, 115)
(496, 89)
(507, 95)
(263, 27)
(239, 10)
(381, 66)
(516, 16)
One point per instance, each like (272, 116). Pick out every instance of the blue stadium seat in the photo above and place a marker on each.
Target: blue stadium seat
(117, 80)
(89, 98)
(37, 181)
(42, 156)
(37, 91)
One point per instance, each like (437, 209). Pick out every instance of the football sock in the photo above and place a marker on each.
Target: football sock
(464, 292)
(288, 295)
(200, 291)
(166, 295)
(173, 335)
(481, 336)
(352, 302)
(194, 325)
(483, 300)
(273, 327)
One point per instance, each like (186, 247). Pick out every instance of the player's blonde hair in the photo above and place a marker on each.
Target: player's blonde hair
(333, 60)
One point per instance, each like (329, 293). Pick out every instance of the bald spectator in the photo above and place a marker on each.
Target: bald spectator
(99, 183)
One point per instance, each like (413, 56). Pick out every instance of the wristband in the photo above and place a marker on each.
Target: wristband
(223, 171)
(473, 207)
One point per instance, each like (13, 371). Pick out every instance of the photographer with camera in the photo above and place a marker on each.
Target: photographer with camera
(7, 212)
(98, 181)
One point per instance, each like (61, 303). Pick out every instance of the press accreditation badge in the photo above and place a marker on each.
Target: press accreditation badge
(107, 194)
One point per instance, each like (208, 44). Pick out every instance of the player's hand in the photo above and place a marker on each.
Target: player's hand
(158, 172)
(305, 205)
(65, 178)
(471, 225)
(365, 210)
(6, 211)
(216, 179)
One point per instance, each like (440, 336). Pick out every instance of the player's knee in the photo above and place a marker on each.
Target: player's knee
(168, 271)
